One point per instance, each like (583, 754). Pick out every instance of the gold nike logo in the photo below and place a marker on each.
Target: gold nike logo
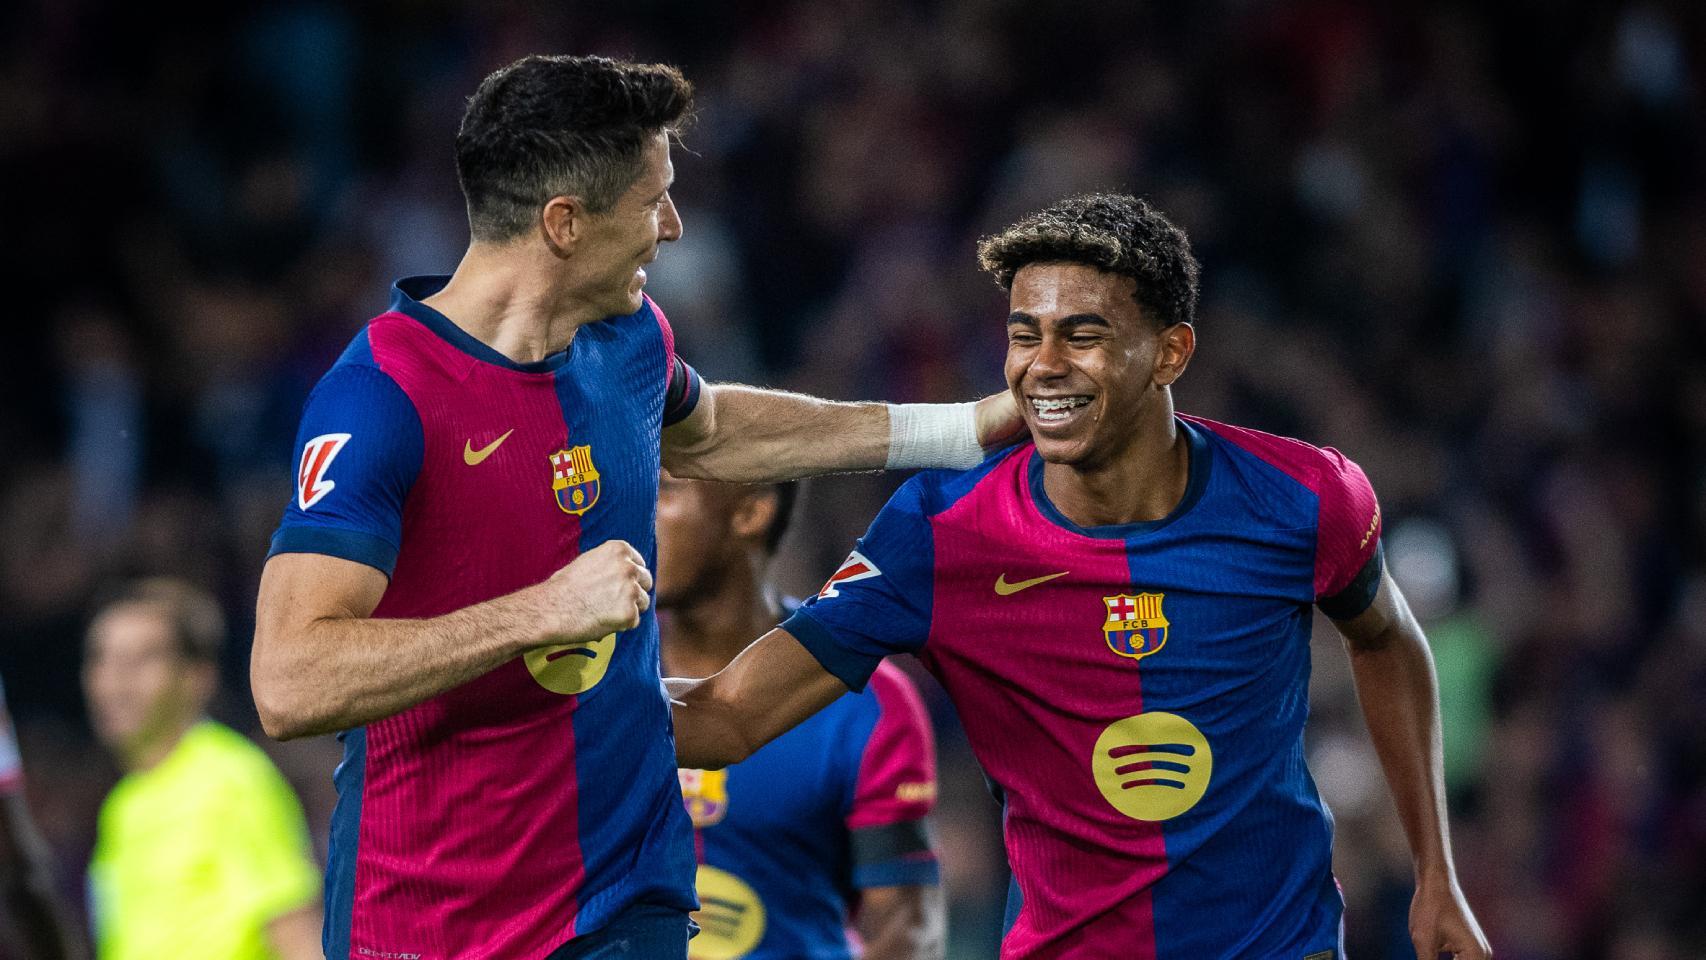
(1005, 589)
(470, 456)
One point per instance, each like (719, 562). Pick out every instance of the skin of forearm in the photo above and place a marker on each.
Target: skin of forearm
(769, 436)
(903, 923)
(708, 734)
(337, 673)
(1396, 686)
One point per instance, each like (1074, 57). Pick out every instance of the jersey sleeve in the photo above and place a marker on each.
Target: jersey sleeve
(878, 603)
(266, 860)
(681, 382)
(359, 450)
(11, 765)
(1348, 554)
(894, 790)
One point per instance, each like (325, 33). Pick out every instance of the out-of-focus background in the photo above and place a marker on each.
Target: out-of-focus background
(1465, 243)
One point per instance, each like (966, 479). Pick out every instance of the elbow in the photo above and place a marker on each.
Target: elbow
(282, 717)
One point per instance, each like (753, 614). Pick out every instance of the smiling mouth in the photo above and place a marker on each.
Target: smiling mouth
(1051, 410)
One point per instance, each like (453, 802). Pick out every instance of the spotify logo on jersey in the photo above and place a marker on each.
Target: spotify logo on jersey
(730, 916)
(571, 668)
(1153, 766)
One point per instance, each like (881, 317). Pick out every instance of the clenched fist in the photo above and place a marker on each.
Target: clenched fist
(600, 592)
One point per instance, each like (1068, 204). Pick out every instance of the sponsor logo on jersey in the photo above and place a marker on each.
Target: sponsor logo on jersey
(1373, 528)
(1004, 588)
(855, 568)
(474, 458)
(1135, 626)
(920, 792)
(574, 479)
(706, 793)
(317, 456)
(730, 916)
(1152, 766)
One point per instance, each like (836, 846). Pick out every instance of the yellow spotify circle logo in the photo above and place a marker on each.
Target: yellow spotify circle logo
(571, 668)
(730, 917)
(1153, 766)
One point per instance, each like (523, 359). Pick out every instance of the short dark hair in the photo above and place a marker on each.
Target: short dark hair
(1112, 232)
(550, 126)
(194, 617)
(786, 495)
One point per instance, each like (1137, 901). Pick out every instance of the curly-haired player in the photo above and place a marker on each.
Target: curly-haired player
(1120, 610)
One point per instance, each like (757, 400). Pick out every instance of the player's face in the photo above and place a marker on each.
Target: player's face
(693, 534)
(137, 681)
(625, 238)
(1081, 361)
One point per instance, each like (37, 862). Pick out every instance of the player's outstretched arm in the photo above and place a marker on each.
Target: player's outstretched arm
(743, 434)
(1395, 683)
(27, 885)
(773, 685)
(321, 663)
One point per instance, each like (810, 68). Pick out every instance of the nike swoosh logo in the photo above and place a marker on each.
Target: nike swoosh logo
(1005, 589)
(471, 457)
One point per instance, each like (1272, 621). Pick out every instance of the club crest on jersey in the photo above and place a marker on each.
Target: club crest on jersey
(574, 479)
(855, 567)
(317, 456)
(706, 793)
(1135, 626)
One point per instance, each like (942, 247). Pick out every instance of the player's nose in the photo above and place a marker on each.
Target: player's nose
(669, 222)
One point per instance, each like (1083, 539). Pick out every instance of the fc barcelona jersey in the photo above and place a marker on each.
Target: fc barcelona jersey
(527, 807)
(789, 836)
(1136, 693)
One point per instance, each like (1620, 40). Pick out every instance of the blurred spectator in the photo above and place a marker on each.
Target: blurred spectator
(202, 850)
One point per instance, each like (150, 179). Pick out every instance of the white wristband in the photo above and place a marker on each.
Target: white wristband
(941, 435)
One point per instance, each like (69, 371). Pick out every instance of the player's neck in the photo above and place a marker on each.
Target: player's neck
(716, 623)
(1146, 482)
(511, 304)
(149, 752)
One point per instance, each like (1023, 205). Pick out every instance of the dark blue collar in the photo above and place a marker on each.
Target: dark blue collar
(406, 297)
(1200, 458)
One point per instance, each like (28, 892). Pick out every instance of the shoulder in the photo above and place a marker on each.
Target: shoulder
(932, 492)
(894, 694)
(1323, 473)
(220, 755)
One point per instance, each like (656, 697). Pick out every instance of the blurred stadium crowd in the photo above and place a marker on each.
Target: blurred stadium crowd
(1464, 243)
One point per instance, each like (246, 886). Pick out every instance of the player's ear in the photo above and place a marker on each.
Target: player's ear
(754, 513)
(1178, 343)
(562, 223)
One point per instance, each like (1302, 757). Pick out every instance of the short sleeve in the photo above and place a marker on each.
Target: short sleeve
(358, 451)
(878, 603)
(894, 790)
(1348, 555)
(11, 766)
(682, 385)
(267, 863)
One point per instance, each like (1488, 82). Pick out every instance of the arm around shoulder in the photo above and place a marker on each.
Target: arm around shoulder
(772, 686)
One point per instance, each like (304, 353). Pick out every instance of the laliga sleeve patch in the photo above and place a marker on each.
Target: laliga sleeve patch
(855, 567)
(317, 456)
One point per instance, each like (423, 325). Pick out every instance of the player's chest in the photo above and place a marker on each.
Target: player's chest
(550, 458)
(1069, 613)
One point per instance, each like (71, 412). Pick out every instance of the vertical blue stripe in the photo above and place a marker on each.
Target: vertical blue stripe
(351, 779)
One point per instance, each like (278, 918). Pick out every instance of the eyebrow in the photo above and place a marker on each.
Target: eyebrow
(1023, 319)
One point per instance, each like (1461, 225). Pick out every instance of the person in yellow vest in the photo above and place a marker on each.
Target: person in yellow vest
(202, 850)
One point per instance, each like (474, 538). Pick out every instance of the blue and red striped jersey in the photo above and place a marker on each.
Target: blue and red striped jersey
(788, 837)
(1137, 694)
(529, 806)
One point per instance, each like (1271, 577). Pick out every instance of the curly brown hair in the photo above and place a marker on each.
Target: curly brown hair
(550, 126)
(1112, 232)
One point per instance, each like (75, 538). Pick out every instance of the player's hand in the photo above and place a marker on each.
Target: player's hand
(1440, 923)
(998, 420)
(600, 592)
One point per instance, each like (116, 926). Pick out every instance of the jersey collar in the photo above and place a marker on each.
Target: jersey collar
(1201, 459)
(406, 297)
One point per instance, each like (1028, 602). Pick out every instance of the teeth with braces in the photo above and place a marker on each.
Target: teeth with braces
(1057, 409)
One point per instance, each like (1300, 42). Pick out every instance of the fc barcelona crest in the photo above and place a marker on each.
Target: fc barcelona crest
(1135, 627)
(706, 793)
(574, 479)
